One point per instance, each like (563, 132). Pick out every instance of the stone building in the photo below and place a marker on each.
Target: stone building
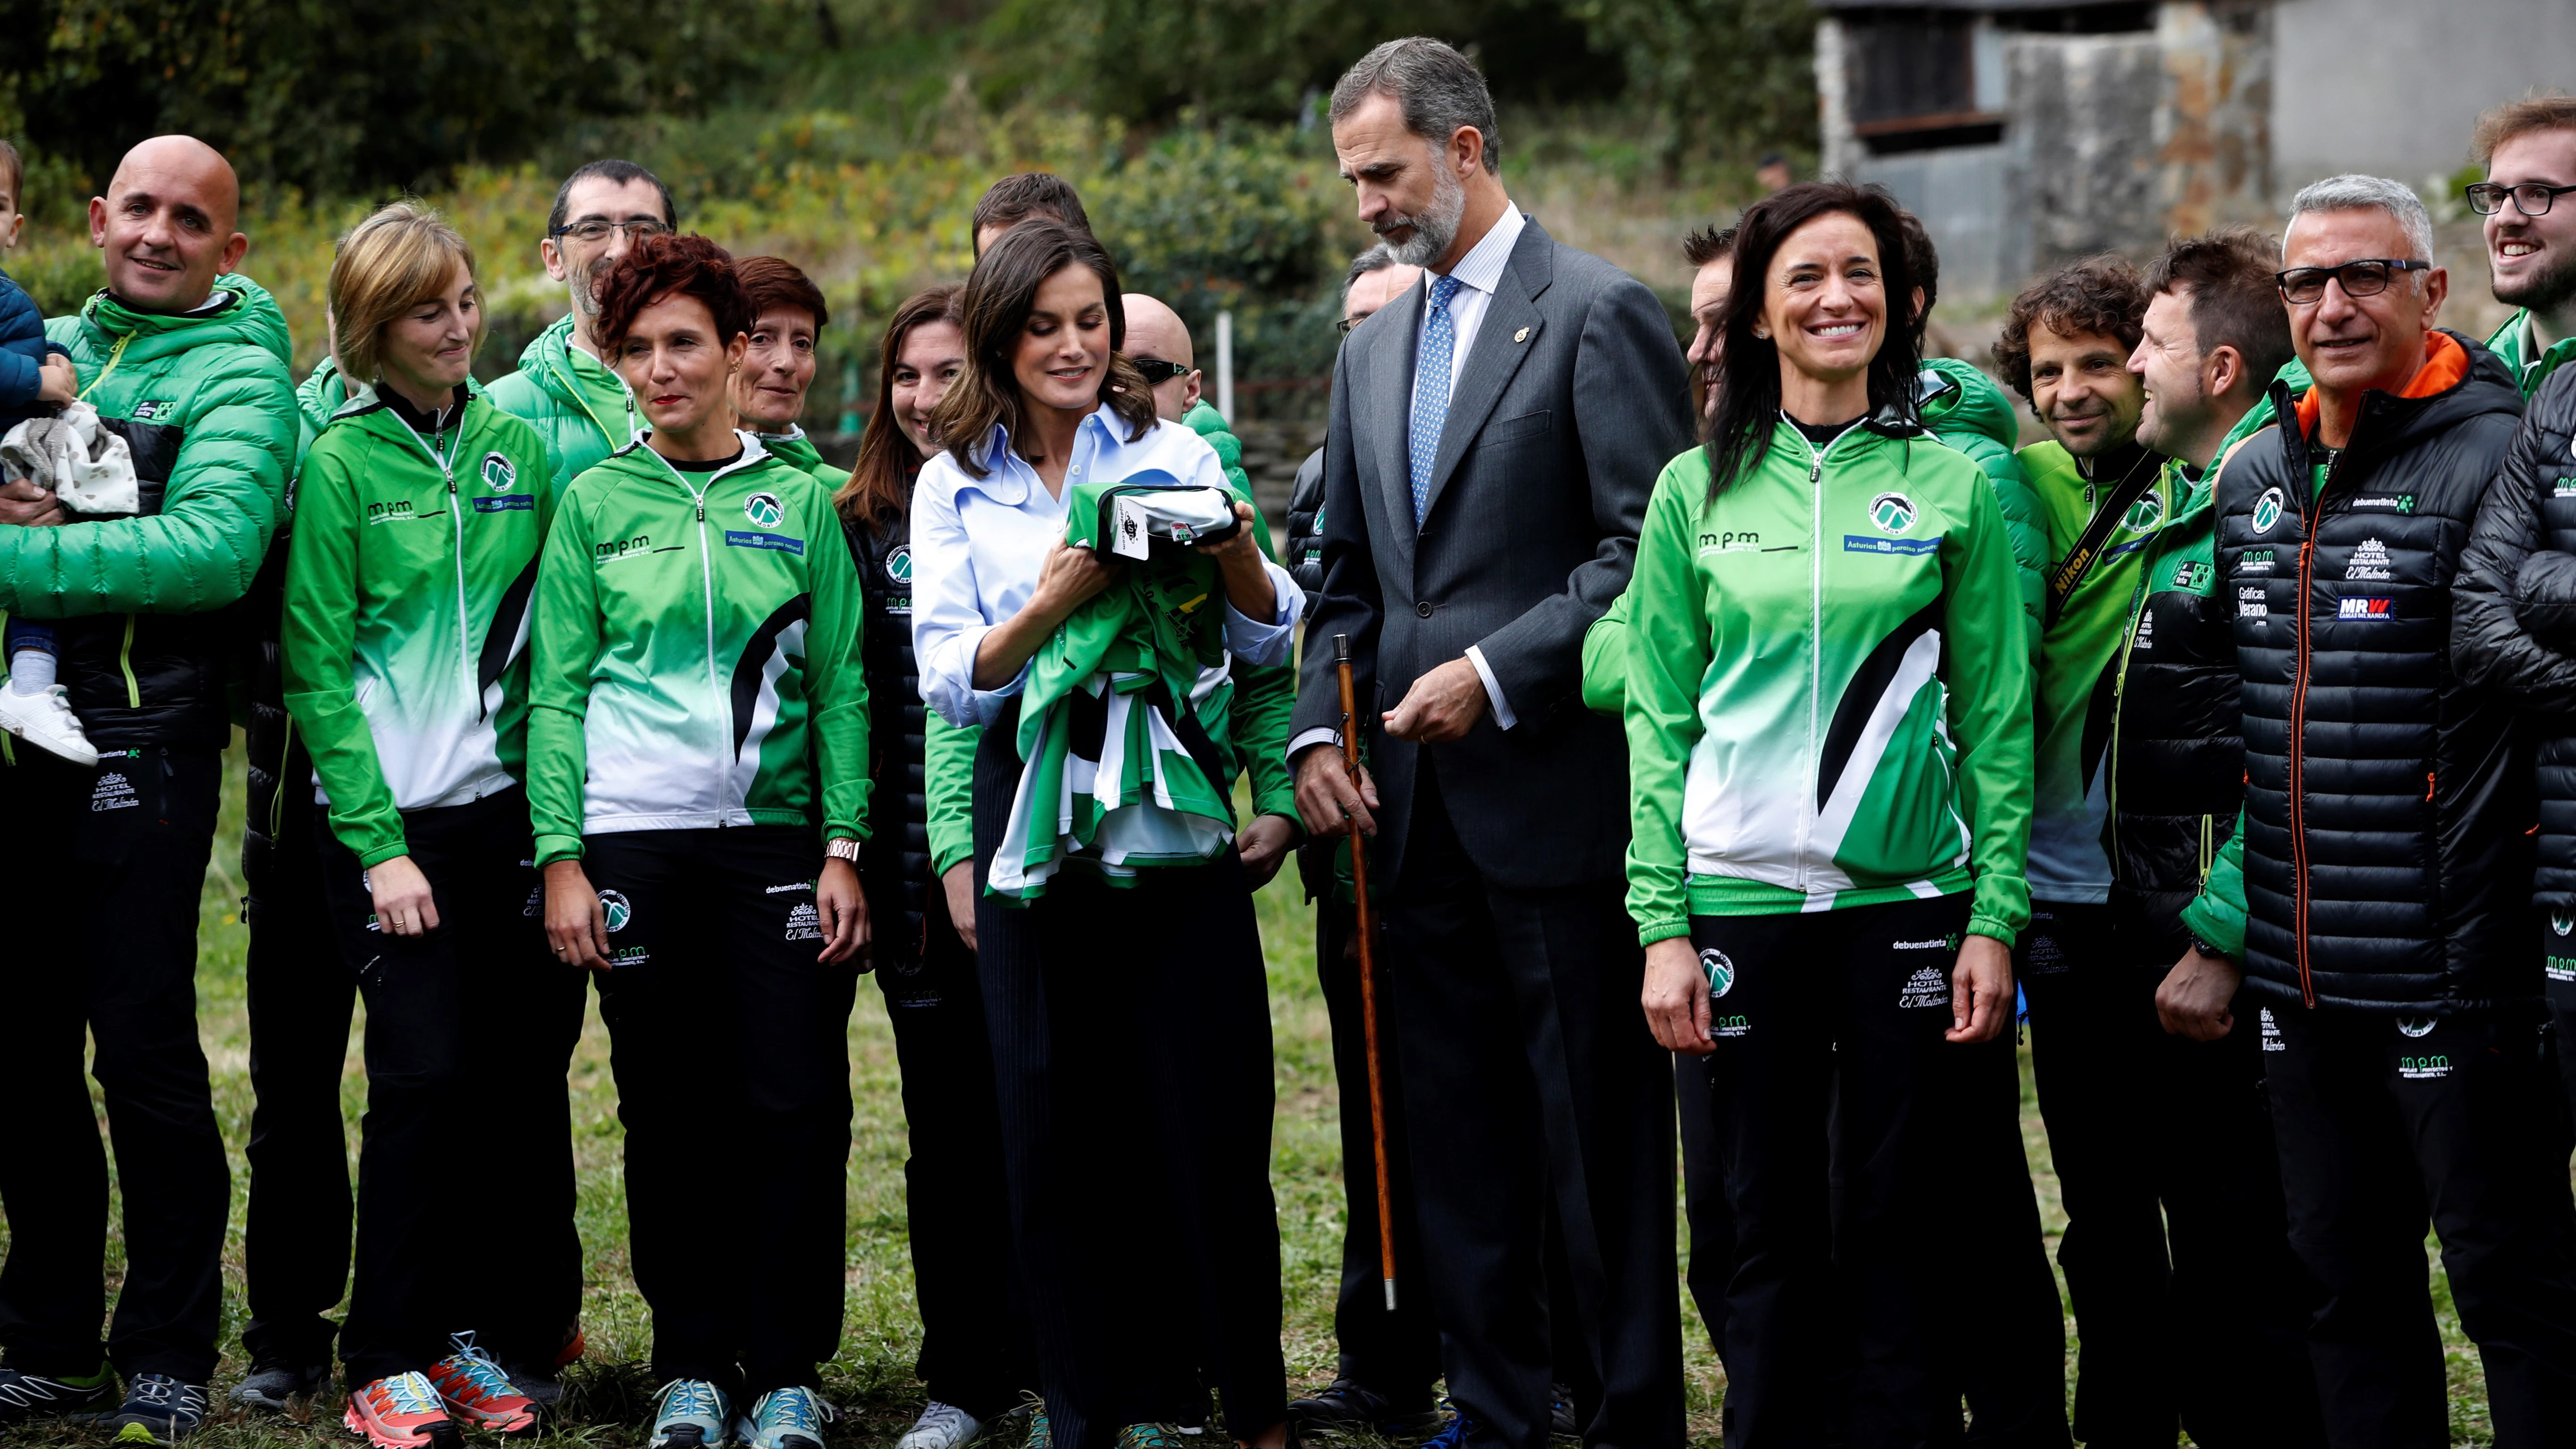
(2027, 133)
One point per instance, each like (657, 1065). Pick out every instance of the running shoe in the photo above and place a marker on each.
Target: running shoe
(271, 1387)
(691, 1414)
(478, 1392)
(788, 1418)
(941, 1426)
(1350, 1406)
(1560, 1413)
(25, 1396)
(401, 1412)
(542, 1383)
(158, 1409)
(1041, 1434)
(1452, 1435)
(1149, 1436)
(46, 721)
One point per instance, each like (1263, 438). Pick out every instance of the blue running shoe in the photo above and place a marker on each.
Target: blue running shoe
(29, 1396)
(691, 1414)
(788, 1418)
(158, 1410)
(1452, 1435)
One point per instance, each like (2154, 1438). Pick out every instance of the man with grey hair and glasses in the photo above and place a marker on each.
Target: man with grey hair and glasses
(1495, 433)
(2373, 911)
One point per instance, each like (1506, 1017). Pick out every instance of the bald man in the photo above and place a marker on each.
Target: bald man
(189, 362)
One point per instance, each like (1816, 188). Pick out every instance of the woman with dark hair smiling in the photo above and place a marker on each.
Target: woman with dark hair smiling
(697, 778)
(1828, 709)
(976, 1356)
(1123, 979)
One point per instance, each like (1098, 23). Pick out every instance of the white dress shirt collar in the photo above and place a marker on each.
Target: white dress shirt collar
(1482, 266)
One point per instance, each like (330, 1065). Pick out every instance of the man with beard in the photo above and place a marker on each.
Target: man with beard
(2102, 494)
(563, 386)
(2530, 152)
(1495, 434)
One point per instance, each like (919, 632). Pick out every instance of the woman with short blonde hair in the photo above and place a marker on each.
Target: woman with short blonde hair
(419, 515)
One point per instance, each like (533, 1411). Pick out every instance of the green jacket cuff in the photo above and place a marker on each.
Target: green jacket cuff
(376, 855)
(552, 848)
(1989, 926)
(942, 861)
(2216, 925)
(1648, 934)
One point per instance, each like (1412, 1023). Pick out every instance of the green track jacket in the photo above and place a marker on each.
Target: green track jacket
(582, 408)
(1828, 693)
(696, 655)
(798, 451)
(406, 628)
(2078, 672)
(2530, 372)
(220, 378)
(1970, 412)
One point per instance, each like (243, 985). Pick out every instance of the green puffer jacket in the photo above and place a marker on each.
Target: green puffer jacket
(407, 611)
(316, 399)
(1970, 412)
(144, 653)
(1828, 698)
(583, 409)
(696, 655)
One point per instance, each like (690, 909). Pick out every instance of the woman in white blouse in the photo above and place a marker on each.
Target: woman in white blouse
(1128, 1010)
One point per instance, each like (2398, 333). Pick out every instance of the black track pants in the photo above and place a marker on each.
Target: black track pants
(1131, 1044)
(731, 1047)
(458, 1029)
(1395, 1354)
(1712, 1222)
(295, 1237)
(2189, 1306)
(113, 954)
(1828, 1040)
(976, 1350)
(2383, 1124)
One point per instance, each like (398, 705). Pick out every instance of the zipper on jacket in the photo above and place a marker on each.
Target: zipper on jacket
(444, 457)
(707, 579)
(115, 355)
(125, 666)
(1807, 802)
(2309, 521)
(2208, 846)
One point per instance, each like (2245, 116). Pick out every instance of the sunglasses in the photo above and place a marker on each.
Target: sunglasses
(2365, 278)
(1157, 372)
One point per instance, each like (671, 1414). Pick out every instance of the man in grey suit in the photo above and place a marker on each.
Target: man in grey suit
(1495, 433)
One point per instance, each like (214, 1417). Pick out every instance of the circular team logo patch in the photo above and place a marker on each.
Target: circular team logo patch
(2267, 510)
(1720, 971)
(899, 565)
(2145, 514)
(499, 474)
(614, 905)
(1892, 512)
(2560, 922)
(2415, 1025)
(764, 509)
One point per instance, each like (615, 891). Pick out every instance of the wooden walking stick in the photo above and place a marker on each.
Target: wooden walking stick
(1367, 928)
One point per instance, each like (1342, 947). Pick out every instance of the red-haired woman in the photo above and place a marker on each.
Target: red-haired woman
(697, 780)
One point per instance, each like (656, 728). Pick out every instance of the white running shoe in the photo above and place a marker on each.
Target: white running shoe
(941, 1426)
(46, 721)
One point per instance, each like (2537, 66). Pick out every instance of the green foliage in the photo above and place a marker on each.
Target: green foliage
(346, 95)
(1714, 76)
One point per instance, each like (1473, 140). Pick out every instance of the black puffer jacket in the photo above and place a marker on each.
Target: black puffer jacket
(894, 864)
(2177, 736)
(1304, 553)
(2386, 864)
(139, 680)
(2513, 629)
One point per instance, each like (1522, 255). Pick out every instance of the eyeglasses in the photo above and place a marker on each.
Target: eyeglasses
(1345, 325)
(592, 229)
(1157, 372)
(2531, 198)
(2365, 278)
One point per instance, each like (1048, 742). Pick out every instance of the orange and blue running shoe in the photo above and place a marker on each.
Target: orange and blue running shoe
(478, 1392)
(401, 1412)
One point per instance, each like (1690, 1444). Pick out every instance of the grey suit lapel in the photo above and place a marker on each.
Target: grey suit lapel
(1511, 322)
(1389, 396)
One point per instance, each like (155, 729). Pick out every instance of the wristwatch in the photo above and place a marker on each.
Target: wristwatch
(841, 849)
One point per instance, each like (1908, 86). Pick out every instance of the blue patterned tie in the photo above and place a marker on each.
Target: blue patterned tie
(1431, 390)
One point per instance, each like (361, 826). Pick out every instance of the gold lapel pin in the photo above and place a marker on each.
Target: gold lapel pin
(1521, 336)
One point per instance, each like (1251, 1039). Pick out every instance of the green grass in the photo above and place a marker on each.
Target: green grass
(872, 1378)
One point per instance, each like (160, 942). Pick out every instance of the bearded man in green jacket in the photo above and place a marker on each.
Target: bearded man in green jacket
(576, 400)
(189, 363)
